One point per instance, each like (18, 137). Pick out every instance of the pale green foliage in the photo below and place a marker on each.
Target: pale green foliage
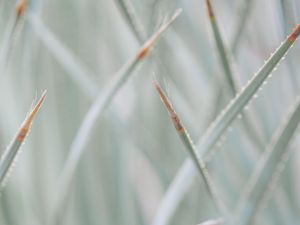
(126, 173)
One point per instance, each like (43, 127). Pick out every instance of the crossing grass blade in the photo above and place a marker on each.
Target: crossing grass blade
(10, 154)
(260, 178)
(95, 112)
(227, 64)
(187, 171)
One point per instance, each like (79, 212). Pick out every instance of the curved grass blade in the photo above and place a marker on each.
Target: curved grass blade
(260, 178)
(97, 109)
(187, 141)
(284, 206)
(9, 156)
(187, 171)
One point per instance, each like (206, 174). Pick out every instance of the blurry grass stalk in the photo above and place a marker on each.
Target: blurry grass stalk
(244, 14)
(187, 171)
(257, 184)
(79, 73)
(198, 161)
(11, 35)
(95, 112)
(134, 23)
(213, 222)
(9, 156)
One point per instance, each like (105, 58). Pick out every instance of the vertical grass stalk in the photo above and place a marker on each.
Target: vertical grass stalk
(187, 141)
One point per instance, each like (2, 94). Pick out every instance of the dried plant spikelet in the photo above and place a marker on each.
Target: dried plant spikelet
(174, 117)
(294, 35)
(21, 7)
(146, 49)
(210, 10)
(25, 127)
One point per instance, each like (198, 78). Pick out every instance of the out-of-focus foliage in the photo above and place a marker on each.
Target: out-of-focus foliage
(75, 48)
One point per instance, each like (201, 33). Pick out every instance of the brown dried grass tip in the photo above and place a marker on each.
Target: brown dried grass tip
(294, 35)
(174, 117)
(25, 127)
(21, 7)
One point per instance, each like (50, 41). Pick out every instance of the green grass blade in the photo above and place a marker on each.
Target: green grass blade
(187, 171)
(9, 156)
(227, 64)
(260, 178)
(223, 53)
(198, 161)
(95, 112)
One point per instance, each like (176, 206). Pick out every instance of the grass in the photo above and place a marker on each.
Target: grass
(103, 150)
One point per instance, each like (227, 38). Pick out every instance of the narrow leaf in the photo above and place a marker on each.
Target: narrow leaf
(187, 141)
(260, 178)
(11, 34)
(9, 156)
(223, 52)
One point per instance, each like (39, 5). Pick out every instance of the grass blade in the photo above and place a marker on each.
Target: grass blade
(219, 126)
(96, 110)
(11, 34)
(260, 178)
(223, 53)
(227, 64)
(187, 141)
(9, 156)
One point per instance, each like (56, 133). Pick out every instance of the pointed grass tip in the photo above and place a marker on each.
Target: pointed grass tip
(210, 10)
(21, 7)
(294, 35)
(147, 47)
(25, 127)
(174, 117)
